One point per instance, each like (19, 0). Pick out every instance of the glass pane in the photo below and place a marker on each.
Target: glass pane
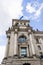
(22, 39)
(23, 51)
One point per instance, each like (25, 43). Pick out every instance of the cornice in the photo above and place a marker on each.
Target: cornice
(18, 20)
(38, 32)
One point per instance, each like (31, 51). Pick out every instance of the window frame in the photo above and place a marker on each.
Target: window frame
(23, 52)
(22, 39)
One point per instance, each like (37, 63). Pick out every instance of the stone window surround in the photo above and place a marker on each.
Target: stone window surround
(27, 46)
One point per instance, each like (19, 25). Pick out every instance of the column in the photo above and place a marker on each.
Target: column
(35, 45)
(15, 44)
(32, 46)
(11, 47)
(7, 47)
(30, 50)
(41, 43)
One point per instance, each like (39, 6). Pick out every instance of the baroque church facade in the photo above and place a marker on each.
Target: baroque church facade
(24, 45)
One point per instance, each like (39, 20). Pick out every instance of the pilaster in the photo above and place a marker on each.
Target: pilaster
(41, 44)
(7, 46)
(11, 48)
(35, 45)
(32, 46)
(15, 44)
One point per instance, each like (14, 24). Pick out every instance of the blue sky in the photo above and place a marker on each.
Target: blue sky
(10, 9)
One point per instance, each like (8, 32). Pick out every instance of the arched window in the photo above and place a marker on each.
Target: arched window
(22, 39)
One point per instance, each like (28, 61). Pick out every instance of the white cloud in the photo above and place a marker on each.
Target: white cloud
(13, 7)
(38, 12)
(34, 9)
(9, 9)
(2, 53)
(30, 8)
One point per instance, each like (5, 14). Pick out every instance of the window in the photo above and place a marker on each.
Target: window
(37, 40)
(22, 39)
(40, 53)
(16, 24)
(39, 47)
(23, 51)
